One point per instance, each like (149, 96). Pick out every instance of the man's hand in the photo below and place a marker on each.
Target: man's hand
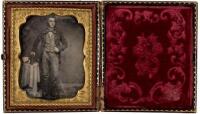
(25, 59)
(32, 53)
(56, 49)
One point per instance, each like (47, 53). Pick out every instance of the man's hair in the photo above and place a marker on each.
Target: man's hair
(52, 15)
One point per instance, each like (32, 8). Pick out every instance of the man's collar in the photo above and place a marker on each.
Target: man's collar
(49, 29)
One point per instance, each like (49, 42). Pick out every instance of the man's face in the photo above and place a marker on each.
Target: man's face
(51, 22)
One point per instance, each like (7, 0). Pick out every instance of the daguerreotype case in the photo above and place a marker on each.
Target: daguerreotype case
(99, 56)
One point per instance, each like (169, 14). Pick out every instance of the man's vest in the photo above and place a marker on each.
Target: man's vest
(49, 42)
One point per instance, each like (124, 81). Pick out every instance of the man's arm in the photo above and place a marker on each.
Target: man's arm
(33, 50)
(62, 43)
(35, 45)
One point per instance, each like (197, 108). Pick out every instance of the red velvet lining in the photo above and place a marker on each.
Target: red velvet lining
(149, 54)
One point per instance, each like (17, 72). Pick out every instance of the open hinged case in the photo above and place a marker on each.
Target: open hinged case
(100, 56)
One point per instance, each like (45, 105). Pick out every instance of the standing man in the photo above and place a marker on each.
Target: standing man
(50, 44)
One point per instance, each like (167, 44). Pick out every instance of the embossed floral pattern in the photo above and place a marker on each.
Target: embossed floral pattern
(118, 51)
(148, 57)
(145, 16)
(147, 49)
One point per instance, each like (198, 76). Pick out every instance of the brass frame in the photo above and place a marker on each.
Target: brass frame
(14, 97)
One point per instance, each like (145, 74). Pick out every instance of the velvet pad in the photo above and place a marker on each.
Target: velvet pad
(149, 57)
